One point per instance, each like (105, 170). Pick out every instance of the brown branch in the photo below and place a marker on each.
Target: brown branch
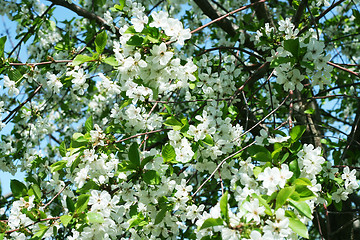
(344, 69)
(31, 29)
(40, 63)
(13, 112)
(86, 14)
(141, 134)
(221, 21)
(262, 12)
(299, 12)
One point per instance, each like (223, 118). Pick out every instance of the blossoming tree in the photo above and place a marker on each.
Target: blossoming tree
(181, 119)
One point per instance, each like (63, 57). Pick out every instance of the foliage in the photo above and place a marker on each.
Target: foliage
(131, 126)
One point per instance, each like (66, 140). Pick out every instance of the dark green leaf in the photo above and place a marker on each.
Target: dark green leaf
(70, 204)
(211, 222)
(160, 215)
(151, 177)
(135, 40)
(14, 75)
(75, 163)
(18, 189)
(304, 192)
(2, 46)
(259, 153)
(134, 156)
(293, 46)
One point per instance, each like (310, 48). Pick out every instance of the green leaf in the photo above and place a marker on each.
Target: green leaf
(152, 177)
(95, 217)
(134, 156)
(356, 14)
(309, 111)
(2, 46)
(89, 125)
(172, 122)
(82, 202)
(279, 60)
(14, 75)
(283, 196)
(62, 149)
(297, 226)
(135, 40)
(302, 181)
(100, 42)
(145, 161)
(224, 208)
(131, 30)
(296, 132)
(37, 191)
(111, 61)
(304, 192)
(75, 163)
(58, 165)
(302, 208)
(168, 153)
(208, 140)
(293, 46)
(70, 204)
(65, 220)
(39, 234)
(160, 215)
(80, 59)
(18, 189)
(211, 222)
(259, 153)
(263, 202)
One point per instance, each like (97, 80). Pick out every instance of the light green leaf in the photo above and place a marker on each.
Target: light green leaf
(224, 209)
(82, 202)
(89, 124)
(168, 153)
(296, 132)
(95, 217)
(62, 149)
(80, 59)
(208, 140)
(58, 165)
(302, 181)
(283, 196)
(302, 208)
(111, 61)
(65, 220)
(172, 122)
(304, 192)
(37, 191)
(297, 226)
(263, 202)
